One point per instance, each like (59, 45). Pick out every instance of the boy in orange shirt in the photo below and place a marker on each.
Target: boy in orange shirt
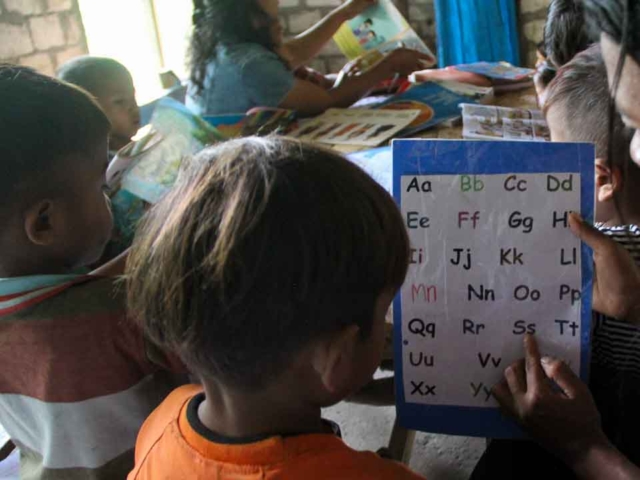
(269, 269)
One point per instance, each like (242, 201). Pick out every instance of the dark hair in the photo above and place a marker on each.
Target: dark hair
(611, 17)
(369, 21)
(565, 31)
(224, 21)
(42, 121)
(263, 245)
(91, 73)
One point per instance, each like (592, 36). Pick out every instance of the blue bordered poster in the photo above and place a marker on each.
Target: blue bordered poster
(492, 258)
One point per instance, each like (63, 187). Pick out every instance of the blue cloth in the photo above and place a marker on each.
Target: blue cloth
(242, 76)
(477, 30)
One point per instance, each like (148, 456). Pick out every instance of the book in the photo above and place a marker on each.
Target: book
(379, 28)
(143, 171)
(485, 122)
(482, 95)
(354, 126)
(179, 133)
(435, 103)
(498, 71)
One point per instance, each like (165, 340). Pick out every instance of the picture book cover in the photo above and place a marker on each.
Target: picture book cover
(435, 103)
(381, 27)
(180, 133)
(492, 258)
(354, 126)
(497, 70)
(143, 171)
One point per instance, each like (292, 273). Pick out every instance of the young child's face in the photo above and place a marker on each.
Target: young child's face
(88, 223)
(118, 100)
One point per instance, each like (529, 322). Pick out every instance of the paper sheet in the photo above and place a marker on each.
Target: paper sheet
(354, 126)
(492, 259)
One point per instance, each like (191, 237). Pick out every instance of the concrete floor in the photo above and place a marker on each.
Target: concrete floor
(438, 457)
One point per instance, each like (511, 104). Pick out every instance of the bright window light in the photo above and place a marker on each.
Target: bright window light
(147, 36)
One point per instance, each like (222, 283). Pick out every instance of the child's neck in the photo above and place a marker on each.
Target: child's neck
(269, 411)
(626, 217)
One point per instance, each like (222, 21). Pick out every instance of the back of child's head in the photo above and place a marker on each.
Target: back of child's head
(43, 124)
(577, 109)
(263, 247)
(92, 73)
(578, 103)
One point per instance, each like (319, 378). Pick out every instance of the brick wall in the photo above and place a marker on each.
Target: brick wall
(533, 14)
(40, 33)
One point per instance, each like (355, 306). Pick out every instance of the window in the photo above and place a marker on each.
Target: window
(147, 36)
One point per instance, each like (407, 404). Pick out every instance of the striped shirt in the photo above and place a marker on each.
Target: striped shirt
(615, 364)
(77, 380)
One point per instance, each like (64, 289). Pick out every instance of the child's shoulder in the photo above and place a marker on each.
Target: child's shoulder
(44, 296)
(349, 463)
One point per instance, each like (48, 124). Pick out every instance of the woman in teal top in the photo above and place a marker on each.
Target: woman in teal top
(239, 60)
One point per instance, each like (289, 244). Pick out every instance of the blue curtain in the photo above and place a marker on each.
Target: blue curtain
(477, 30)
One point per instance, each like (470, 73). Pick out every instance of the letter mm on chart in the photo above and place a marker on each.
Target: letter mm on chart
(492, 259)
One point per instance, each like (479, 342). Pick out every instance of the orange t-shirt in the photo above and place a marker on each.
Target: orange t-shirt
(169, 447)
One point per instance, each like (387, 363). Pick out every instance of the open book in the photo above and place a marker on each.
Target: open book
(381, 28)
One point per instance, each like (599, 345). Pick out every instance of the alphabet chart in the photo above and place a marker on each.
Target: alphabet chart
(492, 258)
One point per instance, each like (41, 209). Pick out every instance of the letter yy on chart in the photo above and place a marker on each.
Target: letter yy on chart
(492, 259)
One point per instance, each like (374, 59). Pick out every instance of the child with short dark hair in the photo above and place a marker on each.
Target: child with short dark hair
(76, 381)
(112, 85)
(275, 294)
(565, 35)
(577, 109)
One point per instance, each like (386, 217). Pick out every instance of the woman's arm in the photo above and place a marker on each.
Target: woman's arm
(307, 45)
(309, 99)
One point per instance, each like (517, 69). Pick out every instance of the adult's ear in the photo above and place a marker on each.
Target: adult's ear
(608, 180)
(40, 223)
(335, 361)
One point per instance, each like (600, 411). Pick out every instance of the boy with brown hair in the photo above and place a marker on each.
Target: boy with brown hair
(76, 381)
(269, 268)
